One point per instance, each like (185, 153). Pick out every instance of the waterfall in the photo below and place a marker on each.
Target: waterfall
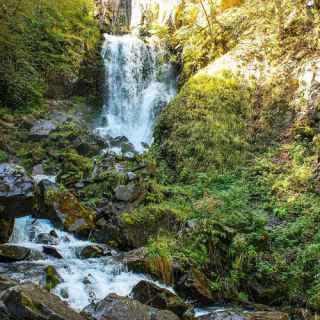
(138, 85)
(83, 280)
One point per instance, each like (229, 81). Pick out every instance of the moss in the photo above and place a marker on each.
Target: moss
(52, 278)
(3, 156)
(206, 125)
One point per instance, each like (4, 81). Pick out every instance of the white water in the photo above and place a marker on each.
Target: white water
(138, 86)
(106, 275)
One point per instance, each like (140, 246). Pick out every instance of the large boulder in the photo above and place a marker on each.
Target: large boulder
(127, 193)
(161, 298)
(114, 307)
(16, 192)
(27, 301)
(13, 253)
(64, 209)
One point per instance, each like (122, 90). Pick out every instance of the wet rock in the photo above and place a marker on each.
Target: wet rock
(114, 307)
(28, 301)
(94, 251)
(154, 296)
(52, 278)
(6, 229)
(10, 253)
(194, 285)
(127, 193)
(16, 191)
(64, 293)
(42, 128)
(223, 315)
(63, 209)
(52, 251)
(47, 238)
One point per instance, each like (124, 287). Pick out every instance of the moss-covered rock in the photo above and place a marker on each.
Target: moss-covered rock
(52, 278)
(64, 209)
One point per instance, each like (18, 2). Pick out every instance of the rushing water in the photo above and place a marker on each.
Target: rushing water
(84, 281)
(138, 86)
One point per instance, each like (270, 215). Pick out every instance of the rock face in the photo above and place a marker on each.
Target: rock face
(16, 192)
(114, 307)
(154, 296)
(27, 301)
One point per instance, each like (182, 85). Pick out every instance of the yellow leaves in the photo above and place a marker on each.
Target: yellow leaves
(227, 4)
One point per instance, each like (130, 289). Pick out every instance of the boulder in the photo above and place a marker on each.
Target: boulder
(52, 251)
(114, 307)
(14, 253)
(47, 238)
(161, 298)
(127, 193)
(16, 192)
(94, 251)
(42, 128)
(11, 253)
(27, 301)
(63, 209)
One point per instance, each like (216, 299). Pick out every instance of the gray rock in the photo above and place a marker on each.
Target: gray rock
(37, 170)
(161, 298)
(42, 129)
(114, 307)
(94, 251)
(16, 191)
(47, 238)
(223, 315)
(126, 193)
(131, 176)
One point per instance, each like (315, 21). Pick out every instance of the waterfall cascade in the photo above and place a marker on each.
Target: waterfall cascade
(137, 86)
(83, 280)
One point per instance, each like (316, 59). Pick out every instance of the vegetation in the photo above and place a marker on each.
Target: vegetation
(230, 188)
(44, 45)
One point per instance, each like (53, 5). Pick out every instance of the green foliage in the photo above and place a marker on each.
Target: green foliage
(206, 125)
(3, 156)
(39, 41)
